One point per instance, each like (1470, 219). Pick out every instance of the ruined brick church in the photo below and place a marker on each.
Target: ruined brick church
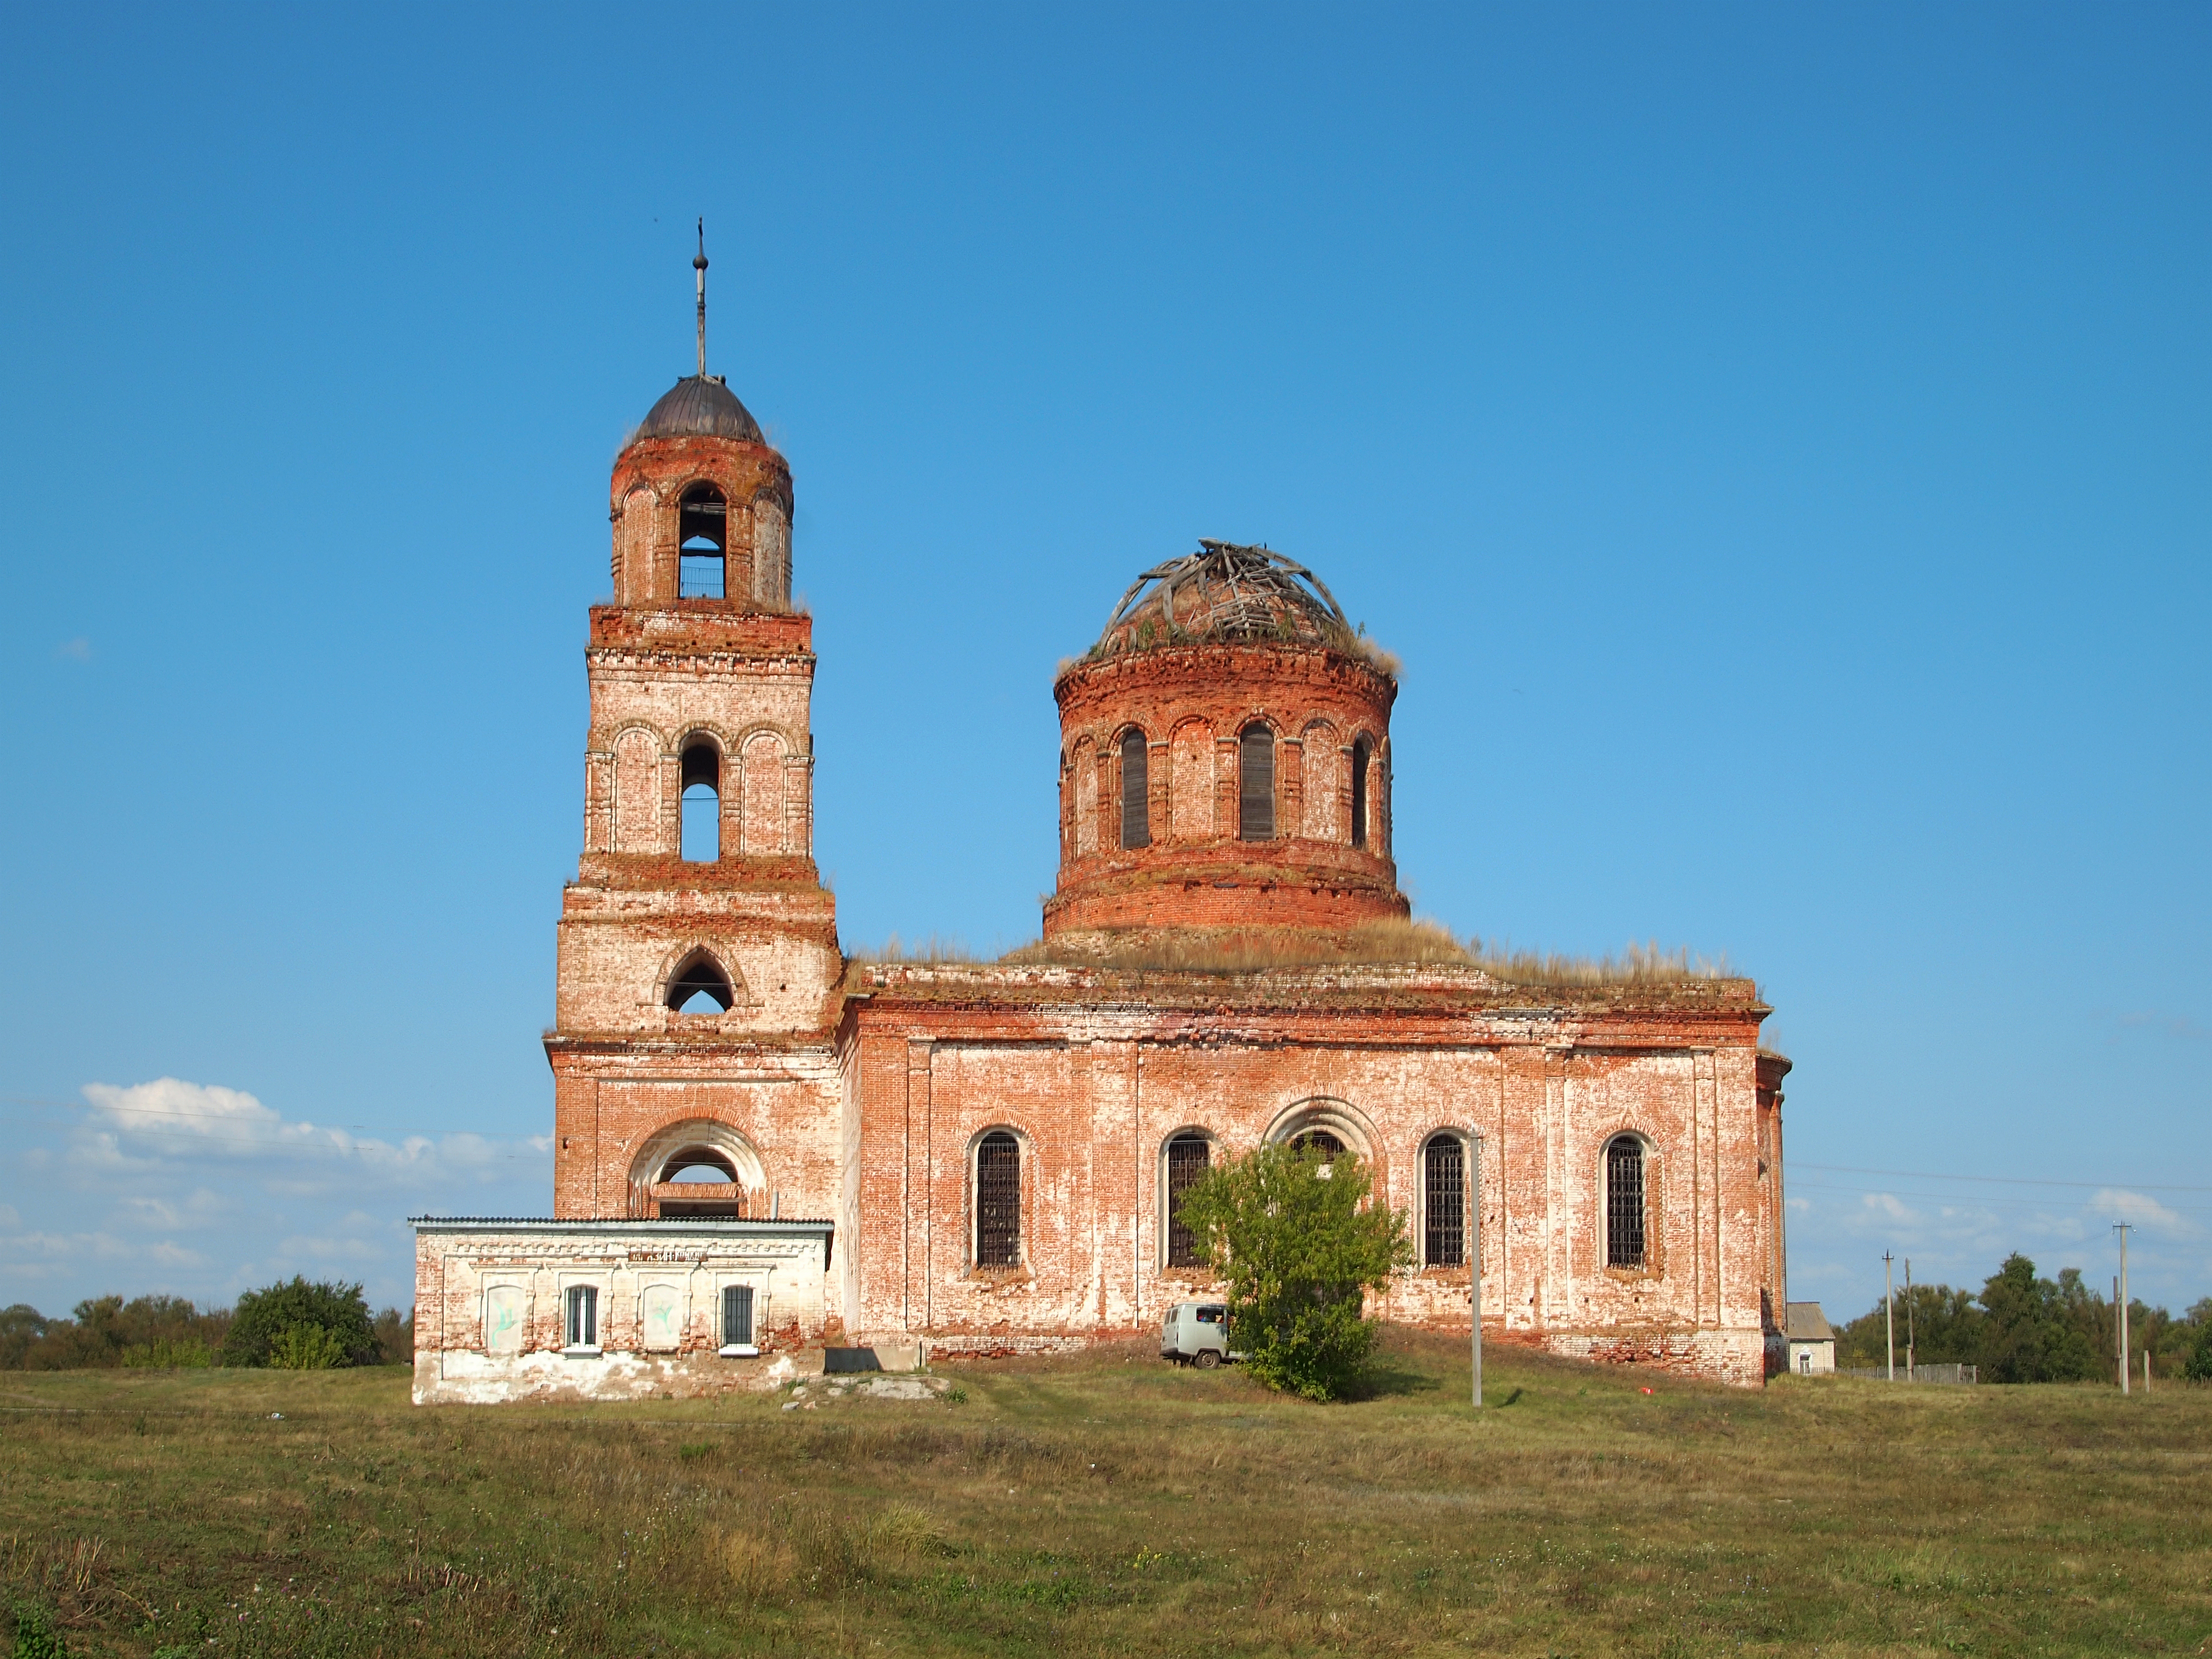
(760, 1145)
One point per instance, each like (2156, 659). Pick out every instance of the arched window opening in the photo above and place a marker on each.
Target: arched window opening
(1443, 1193)
(699, 987)
(998, 1201)
(702, 528)
(1624, 1202)
(1189, 1158)
(1255, 783)
(1362, 753)
(702, 803)
(1319, 1141)
(701, 1165)
(1136, 792)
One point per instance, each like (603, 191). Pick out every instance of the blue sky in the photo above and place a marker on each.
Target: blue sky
(1775, 439)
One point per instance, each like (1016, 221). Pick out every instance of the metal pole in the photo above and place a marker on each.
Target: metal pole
(699, 264)
(1908, 1319)
(1889, 1313)
(1474, 1255)
(2121, 1227)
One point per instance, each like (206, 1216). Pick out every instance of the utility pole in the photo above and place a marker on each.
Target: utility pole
(1889, 1313)
(2120, 1295)
(1475, 1253)
(1908, 1319)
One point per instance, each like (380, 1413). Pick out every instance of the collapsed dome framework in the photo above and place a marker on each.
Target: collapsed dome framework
(1229, 594)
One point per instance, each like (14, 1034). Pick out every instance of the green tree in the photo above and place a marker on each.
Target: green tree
(21, 1329)
(306, 1348)
(395, 1337)
(1294, 1235)
(2036, 1331)
(2198, 1368)
(263, 1315)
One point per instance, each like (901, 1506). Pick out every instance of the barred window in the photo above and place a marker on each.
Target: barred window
(702, 526)
(737, 1316)
(1443, 1241)
(998, 1201)
(1255, 784)
(1317, 1140)
(1136, 817)
(1361, 752)
(1624, 1202)
(583, 1316)
(1189, 1158)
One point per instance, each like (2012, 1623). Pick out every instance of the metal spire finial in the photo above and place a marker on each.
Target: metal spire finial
(699, 264)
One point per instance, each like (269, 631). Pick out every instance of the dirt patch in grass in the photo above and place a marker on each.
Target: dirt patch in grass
(1109, 1504)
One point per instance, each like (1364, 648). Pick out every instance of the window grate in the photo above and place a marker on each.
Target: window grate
(1624, 1202)
(1255, 785)
(737, 1314)
(1361, 752)
(1445, 1211)
(700, 574)
(1136, 815)
(1189, 1158)
(998, 1201)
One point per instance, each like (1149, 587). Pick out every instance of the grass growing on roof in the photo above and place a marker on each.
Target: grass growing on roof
(1107, 1504)
(1231, 949)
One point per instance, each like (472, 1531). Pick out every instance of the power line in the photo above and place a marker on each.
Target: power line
(2007, 1181)
(1976, 1199)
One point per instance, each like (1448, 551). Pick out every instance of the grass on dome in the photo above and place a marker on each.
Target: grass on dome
(1109, 1504)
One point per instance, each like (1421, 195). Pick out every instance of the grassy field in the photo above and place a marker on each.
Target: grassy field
(1110, 1503)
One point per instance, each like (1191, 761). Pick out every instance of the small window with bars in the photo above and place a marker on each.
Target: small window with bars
(737, 1316)
(703, 538)
(583, 1322)
(1136, 793)
(998, 1201)
(1255, 783)
(1189, 1158)
(1624, 1202)
(1363, 752)
(1444, 1206)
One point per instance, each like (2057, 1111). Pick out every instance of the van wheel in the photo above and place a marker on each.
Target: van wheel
(1206, 1358)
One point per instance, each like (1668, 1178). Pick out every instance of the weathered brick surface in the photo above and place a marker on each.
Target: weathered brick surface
(1190, 703)
(1095, 1072)
(858, 1095)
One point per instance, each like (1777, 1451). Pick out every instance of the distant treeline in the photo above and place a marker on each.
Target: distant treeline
(297, 1326)
(2020, 1328)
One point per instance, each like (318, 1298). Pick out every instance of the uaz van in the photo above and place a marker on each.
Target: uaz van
(1196, 1334)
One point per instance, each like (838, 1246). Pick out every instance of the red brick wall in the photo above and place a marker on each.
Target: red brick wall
(1095, 1079)
(1190, 703)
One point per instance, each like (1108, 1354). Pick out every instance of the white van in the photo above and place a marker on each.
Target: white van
(1196, 1334)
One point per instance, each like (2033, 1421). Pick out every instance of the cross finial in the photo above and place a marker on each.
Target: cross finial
(699, 264)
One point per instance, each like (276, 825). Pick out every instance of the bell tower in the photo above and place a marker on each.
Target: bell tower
(697, 929)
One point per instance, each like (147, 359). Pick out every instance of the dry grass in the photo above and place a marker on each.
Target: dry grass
(1107, 1504)
(1378, 943)
(933, 950)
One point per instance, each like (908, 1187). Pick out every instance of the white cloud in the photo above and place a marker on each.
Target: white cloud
(2142, 1211)
(146, 1125)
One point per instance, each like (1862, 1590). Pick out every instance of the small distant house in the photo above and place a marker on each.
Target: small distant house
(1812, 1342)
